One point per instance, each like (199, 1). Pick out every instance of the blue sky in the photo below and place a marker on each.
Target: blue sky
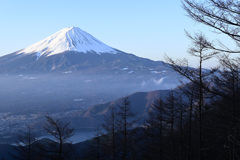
(147, 29)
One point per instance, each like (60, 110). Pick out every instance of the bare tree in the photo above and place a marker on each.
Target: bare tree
(180, 118)
(171, 109)
(94, 152)
(125, 123)
(98, 143)
(189, 93)
(221, 15)
(156, 126)
(26, 145)
(61, 132)
(108, 142)
(227, 88)
(197, 76)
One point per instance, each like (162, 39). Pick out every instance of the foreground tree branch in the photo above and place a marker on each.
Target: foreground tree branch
(221, 15)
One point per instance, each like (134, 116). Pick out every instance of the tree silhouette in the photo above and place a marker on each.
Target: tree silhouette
(125, 122)
(220, 15)
(156, 129)
(61, 132)
(26, 145)
(109, 140)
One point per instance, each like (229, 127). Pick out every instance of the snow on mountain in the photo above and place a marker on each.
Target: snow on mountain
(68, 39)
(72, 50)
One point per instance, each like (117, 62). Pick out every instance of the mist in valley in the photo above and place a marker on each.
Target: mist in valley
(27, 98)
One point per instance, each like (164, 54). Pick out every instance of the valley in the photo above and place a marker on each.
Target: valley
(27, 98)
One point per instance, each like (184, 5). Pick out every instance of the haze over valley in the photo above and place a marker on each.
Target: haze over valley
(67, 73)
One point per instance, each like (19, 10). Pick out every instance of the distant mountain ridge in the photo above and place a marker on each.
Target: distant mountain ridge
(140, 103)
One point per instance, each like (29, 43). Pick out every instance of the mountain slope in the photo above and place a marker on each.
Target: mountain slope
(140, 104)
(72, 49)
(73, 61)
(68, 39)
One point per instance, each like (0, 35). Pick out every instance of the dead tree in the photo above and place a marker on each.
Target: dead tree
(61, 133)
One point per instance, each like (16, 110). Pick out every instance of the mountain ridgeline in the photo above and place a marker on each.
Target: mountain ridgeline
(73, 50)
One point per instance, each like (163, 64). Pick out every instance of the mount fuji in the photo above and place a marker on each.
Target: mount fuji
(74, 50)
(72, 68)
(68, 72)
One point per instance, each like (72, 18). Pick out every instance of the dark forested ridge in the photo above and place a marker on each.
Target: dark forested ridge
(170, 129)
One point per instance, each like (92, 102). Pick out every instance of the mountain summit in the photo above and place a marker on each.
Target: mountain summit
(68, 39)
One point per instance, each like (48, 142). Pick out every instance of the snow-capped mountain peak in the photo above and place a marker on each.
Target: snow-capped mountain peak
(68, 39)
